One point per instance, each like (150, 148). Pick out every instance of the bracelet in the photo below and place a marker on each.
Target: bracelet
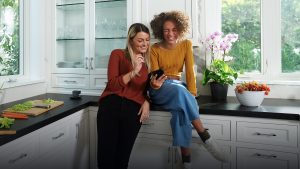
(131, 75)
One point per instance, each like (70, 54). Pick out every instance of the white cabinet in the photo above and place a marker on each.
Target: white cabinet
(220, 130)
(258, 158)
(93, 136)
(20, 152)
(247, 142)
(144, 11)
(153, 147)
(149, 153)
(79, 141)
(85, 32)
(61, 144)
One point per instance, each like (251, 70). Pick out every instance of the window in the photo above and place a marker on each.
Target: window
(290, 36)
(268, 48)
(10, 56)
(243, 17)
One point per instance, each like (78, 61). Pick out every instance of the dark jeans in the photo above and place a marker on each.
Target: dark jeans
(118, 125)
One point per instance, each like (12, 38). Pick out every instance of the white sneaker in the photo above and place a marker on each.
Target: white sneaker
(187, 166)
(213, 148)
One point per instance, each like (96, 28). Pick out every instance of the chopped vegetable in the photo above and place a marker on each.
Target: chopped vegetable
(14, 115)
(6, 122)
(22, 107)
(48, 101)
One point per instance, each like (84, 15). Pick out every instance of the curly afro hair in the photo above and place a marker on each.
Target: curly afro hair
(179, 18)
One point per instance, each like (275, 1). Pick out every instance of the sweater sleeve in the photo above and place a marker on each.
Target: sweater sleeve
(115, 78)
(189, 68)
(154, 59)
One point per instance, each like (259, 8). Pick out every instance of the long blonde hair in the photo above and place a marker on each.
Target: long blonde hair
(132, 32)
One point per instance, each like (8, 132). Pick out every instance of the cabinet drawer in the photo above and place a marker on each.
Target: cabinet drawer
(70, 81)
(255, 158)
(98, 81)
(53, 136)
(266, 133)
(219, 129)
(19, 152)
(158, 123)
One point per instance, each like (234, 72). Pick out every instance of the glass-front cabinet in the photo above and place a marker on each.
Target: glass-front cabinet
(86, 31)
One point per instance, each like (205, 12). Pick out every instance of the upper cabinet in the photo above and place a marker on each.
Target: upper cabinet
(85, 34)
(144, 11)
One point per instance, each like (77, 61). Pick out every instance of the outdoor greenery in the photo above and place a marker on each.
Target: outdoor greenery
(9, 38)
(243, 17)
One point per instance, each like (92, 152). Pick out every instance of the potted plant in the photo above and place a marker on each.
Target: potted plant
(219, 74)
(251, 93)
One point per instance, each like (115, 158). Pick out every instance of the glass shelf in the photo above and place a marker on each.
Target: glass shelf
(69, 39)
(104, 1)
(69, 2)
(112, 25)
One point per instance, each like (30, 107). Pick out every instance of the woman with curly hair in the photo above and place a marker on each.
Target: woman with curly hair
(171, 54)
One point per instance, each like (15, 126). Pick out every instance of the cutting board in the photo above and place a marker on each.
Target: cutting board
(35, 111)
(7, 132)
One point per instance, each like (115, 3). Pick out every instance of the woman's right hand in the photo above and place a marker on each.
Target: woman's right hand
(138, 63)
(157, 83)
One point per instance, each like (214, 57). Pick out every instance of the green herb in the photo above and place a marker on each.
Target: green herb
(48, 101)
(22, 107)
(6, 122)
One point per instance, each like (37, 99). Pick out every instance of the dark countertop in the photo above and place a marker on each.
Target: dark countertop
(271, 108)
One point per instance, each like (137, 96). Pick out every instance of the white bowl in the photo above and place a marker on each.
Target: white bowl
(250, 98)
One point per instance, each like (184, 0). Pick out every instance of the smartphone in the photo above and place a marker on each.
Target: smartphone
(158, 72)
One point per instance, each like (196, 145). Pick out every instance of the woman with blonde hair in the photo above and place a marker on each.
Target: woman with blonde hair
(123, 105)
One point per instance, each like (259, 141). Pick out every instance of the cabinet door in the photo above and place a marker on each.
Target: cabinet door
(203, 159)
(109, 29)
(146, 9)
(149, 154)
(93, 136)
(254, 158)
(79, 140)
(71, 33)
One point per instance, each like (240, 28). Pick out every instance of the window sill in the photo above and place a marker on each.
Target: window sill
(19, 83)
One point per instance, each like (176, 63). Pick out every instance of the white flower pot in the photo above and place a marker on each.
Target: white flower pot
(250, 98)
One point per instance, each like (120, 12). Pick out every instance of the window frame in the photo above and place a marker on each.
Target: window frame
(270, 39)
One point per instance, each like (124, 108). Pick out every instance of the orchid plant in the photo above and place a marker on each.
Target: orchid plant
(219, 71)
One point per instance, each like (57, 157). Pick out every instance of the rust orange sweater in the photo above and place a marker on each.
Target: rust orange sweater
(173, 60)
(118, 66)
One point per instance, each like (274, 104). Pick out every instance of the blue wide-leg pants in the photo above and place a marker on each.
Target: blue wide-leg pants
(174, 97)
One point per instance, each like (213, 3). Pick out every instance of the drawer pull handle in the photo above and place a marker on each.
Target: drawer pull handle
(265, 156)
(70, 81)
(148, 124)
(169, 151)
(56, 137)
(77, 130)
(175, 151)
(18, 158)
(263, 134)
(86, 63)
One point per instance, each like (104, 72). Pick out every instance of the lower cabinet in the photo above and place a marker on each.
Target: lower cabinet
(151, 153)
(247, 142)
(255, 158)
(93, 136)
(62, 144)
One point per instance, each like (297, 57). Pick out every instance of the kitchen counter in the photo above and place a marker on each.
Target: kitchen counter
(271, 108)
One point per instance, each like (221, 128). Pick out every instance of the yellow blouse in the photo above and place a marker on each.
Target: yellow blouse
(173, 60)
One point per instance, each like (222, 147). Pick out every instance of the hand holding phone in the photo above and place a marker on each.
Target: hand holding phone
(158, 72)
